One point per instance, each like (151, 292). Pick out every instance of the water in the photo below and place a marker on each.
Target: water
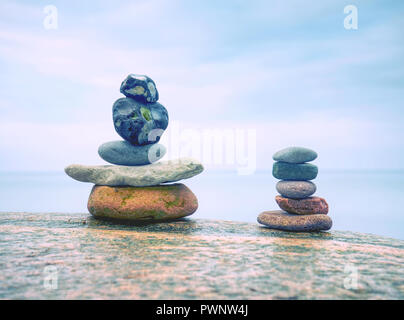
(366, 202)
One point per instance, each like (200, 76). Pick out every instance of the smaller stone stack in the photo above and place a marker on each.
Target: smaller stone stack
(135, 186)
(300, 210)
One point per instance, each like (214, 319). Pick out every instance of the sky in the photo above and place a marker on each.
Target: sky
(288, 70)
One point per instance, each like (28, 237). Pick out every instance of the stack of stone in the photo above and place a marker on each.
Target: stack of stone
(134, 188)
(300, 210)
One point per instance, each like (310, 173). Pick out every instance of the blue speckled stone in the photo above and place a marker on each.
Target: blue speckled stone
(140, 88)
(291, 171)
(139, 123)
(126, 154)
(295, 155)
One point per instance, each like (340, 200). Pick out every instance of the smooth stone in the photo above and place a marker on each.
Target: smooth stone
(295, 155)
(311, 205)
(141, 176)
(155, 203)
(296, 189)
(291, 171)
(126, 154)
(139, 123)
(282, 220)
(140, 88)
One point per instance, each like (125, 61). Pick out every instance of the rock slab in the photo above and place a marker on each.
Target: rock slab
(311, 205)
(190, 259)
(158, 203)
(125, 154)
(282, 220)
(142, 176)
(295, 155)
(291, 171)
(296, 189)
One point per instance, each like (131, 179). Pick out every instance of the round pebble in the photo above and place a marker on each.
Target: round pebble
(311, 205)
(291, 171)
(295, 155)
(296, 189)
(140, 88)
(282, 220)
(139, 123)
(126, 154)
(156, 203)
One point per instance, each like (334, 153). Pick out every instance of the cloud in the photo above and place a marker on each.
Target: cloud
(340, 142)
(228, 67)
(16, 13)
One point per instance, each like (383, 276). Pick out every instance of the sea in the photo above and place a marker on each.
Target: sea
(359, 201)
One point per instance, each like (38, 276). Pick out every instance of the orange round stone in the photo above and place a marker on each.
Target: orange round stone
(162, 202)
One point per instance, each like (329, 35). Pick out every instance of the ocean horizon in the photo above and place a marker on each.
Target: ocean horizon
(359, 200)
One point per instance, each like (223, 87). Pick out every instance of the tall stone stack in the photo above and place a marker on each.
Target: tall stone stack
(300, 210)
(135, 186)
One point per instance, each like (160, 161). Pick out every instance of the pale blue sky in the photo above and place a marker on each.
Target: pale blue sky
(288, 69)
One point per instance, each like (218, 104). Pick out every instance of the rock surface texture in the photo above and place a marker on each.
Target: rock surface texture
(190, 259)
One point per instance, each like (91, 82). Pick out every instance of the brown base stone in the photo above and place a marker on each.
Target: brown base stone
(310, 205)
(281, 220)
(155, 203)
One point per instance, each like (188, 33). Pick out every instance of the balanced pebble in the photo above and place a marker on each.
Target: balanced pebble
(291, 171)
(139, 123)
(282, 220)
(137, 176)
(296, 189)
(295, 155)
(126, 154)
(156, 203)
(140, 88)
(311, 205)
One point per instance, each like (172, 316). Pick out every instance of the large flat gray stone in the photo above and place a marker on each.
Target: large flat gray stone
(190, 259)
(140, 176)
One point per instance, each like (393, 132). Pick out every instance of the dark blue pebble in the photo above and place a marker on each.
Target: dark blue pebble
(140, 87)
(139, 123)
